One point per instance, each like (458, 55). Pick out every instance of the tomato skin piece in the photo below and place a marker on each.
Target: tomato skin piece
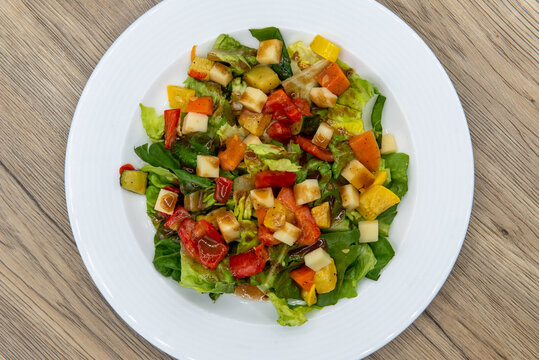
(211, 252)
(307, 145)
(275, 101)
(303, 106)
(172, 116)
(265, 236)
(250, 262)
(176, 219)
(269, 178)
(310, 232)
(284, 110)
(279, 132)
(173, 189)
(205, 228)
(203, 243)
(223, 187)
(287, 198)
(126, 167)
(189, 244)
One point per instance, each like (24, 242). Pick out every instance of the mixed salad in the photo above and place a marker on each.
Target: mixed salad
(261, 179)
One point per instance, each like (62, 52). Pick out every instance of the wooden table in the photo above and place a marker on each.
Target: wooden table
(49, 306)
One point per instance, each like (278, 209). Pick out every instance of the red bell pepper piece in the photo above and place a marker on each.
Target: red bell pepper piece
(173, 189)
(303, 106)
(223, 187)
(250, 262)
(279, 132)
(270, 178)
(279, 102)
(186, 236)
(172, 117)
(205, 228)
(211, 252)
(203, 242)
(197, 74)
(287, 198)
(175, 220)
(305, 221)
(307, 145)
(265, 236)
(126, 167)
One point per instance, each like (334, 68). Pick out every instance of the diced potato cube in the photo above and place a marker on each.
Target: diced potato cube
(252, 140)
(375, 201)
(389, 145)
(269, 52)
(309, 296)
(368, 231)
(166, 201)
(322, 97)
(212, 216)
(274, 219)
(262, 198)
(221, 74)
(253, 99)
(207, 166)
(263, 78)
(229, 226)
(288, 234)
(349, 197)
(323, 135)
(306, 191)
(178, 97)
(200, 68)
(195, 122)
(325, 279)
(322, 215)
(317, 259)
(255, 123)
(357, 174)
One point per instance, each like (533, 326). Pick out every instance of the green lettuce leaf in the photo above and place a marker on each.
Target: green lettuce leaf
(197, 277)
(229, 50)
(383, 251)
(364, 263)
(385, 219)
(190, 183)
(302, 56)
(342, 153)
(289, 316)
(283, 69)
(281, 165)
(153, 124)
(248, 236)
(167, 259)
(302, 83)
(398, 165)
(156, 155)
(160, 177)
(152, 192)
(272, 157)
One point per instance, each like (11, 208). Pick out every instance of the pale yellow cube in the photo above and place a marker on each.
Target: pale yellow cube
(323, 135)
(287, 234)
(207, 166)
(221, 74)
(195, 122)
(368, 231)
(317, 259)
(389, 145)
(166, 201)
(269, 52)
(229, 226)
(253, 99)
(357, 174)
(306, 191)
(322, 97)
(349, 197)
(262, 198)
(252, 140)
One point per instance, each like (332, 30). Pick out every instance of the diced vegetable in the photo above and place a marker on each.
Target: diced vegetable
(325, 48)
(269, 52)
(249, 263)
(223, 187)
(317, 259)
(380, 177)
(166, 201)
(194, 122)
(287, 234)
(255, 123)
(322, 215)
(274, 219)
(262, 198)
(227, 49)
(309, 296)
(201, 105)
(323, 135)
(234, 153)
(253, 99)
(303, 276)
(193, 52)
(207, 166)
(366, 150)
(172, 116)
(307, 191)
(333, 79)
(221, 74)
(357, 174)
(282, 107)
(389, 145)
(252, 140)
(375, 201)
(126, 167)
(286, 197)
(194, 201)
(134, 180)
(203, 243)
(270, 178)
(305, 221)
(302, 83)
(349, 197)
(178, 97)
(303, 106)
(265, 236)
(368, 231)
(263, 78)
(212, 216)
(200, 68)
(229, 226)
(279, 132)
(322, 154)
(325, 279)
(175, 220)
(322, 97)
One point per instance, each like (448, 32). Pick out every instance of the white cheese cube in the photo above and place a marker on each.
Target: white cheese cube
(322, 97)
(368, 231)
(357, 174)
(195, 122)
(166, 201)
(229, 226)
(262, 198)
(389, 145)
(317, 259)
(252, 140)
(269, 52)
(349, 197)
(207, 166)
(221, 74)
(288, 234)
(253, 99)
(307, 191)
(323, 135)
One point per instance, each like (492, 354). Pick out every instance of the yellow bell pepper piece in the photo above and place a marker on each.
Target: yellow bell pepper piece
(200, 68)
(309, 296)
(322, 215)
(325, 279)
(354, 127)
(325, 48)
(375, 201)
(178, 97)
(380, 178)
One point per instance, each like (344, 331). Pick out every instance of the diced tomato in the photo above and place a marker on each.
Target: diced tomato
(201, 105)
(304, 277)
(280, 116)
(197, 74)
(211, 252)
(223, 187)
(279, 132)
(307, 145)
(175, 220)
(275, 101)
(265, 236)
(230, 158)
(303, 106)
(205, 228)
(279, 102)
(186, 236)
(173, 189)
(270, 178)
(305, 221)
(203, 243)
(126, 167)
(172, 117)
(287, 198)
(250, 262)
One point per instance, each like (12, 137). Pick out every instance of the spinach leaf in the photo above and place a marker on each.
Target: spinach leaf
(229, 50)
(285, 287)
(192, 145)
(376, 118)
(283, 69)
(364, 263)
(385, 219)
(342, 153)
(167, 259)
(398, 165)
(383, 251)
(156, 155)
(190, 183)
(151, 197)
(159, 176)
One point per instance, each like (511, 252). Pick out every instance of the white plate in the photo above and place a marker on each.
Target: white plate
(115, 238)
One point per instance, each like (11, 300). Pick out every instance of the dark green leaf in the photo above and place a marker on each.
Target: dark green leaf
(398, 165)
(156, 155)
(383, 251)
(167, 256)
(190, 182)
(385, 219)
(376, 118)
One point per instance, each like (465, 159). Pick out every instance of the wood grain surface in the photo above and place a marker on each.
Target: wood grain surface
(49, 306)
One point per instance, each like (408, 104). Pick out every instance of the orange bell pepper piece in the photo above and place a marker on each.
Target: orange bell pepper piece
(304, 276)
(366, 150)
(334, 79)
(233, 155)
(201, 105)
